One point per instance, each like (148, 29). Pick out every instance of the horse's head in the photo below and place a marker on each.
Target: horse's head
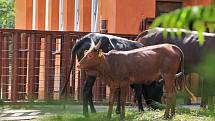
(92, 58)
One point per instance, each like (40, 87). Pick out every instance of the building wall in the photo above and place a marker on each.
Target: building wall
(129, 14)
(85, 15)
(123, 16)
(69, 14)
(23, 14)
(196, 2)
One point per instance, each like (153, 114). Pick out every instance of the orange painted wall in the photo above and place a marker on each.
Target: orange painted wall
(23, 14)
(196, 2)
(40, 14)
(85, 15)
(53, 14)
(131, 12)
(124, 16)
(69, 11)
(108, 12)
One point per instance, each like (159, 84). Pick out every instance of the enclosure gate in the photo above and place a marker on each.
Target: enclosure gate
(34, 66)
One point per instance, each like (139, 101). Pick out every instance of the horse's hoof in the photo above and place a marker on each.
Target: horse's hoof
(122, 118)
(108, 116)
(117, 112)
(86, 114)
(93, 111)
(166, 117)
(141, 110)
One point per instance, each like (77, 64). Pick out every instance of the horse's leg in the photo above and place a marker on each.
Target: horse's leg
(210, 103)
(169, 85)
(87, 94)
(173, 102)
(90, 99)
(173, 97)
(93, 110)
(204, 101)
(138, 96)
(204, 94)
(111, 100)
(118, 105)
(124, 90)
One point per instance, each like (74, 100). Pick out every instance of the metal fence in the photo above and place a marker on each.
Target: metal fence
(34, 66)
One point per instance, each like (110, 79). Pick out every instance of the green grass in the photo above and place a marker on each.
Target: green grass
(73, 112)
(132, 115)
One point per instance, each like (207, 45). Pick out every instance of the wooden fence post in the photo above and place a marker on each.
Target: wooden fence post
(5, 67)
(72, 43)
(48, 56)
(1, 59)
(31, 65)
(65, 60)
(15, 65)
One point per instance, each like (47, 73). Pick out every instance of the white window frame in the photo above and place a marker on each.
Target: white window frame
(34, 15)
(77, 22)
(47, 16)
(61, 12)
(94, 16)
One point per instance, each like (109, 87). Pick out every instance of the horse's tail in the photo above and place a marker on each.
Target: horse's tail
(180, 77)
(72, 65)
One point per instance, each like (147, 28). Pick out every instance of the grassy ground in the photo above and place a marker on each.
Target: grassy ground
(132, 115)
(73, 112)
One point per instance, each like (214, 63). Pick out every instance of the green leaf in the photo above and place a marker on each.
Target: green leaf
(156, 22)
(199, 17)
(200, 27)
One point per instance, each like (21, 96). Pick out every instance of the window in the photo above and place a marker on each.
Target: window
(94, 16)
(76, 15)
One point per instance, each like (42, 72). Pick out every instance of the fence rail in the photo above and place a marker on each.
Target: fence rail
(34, 66)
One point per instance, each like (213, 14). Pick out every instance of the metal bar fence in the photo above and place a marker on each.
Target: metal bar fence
(34, 65)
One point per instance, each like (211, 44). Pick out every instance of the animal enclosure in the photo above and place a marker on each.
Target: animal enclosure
(34, 66)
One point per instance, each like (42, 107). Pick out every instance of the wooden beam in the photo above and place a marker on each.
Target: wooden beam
(15, 65)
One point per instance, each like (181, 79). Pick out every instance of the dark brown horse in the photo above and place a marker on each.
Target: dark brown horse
(194, 53)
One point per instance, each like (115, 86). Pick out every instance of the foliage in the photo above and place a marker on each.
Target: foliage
(199, 18)
(7, 14)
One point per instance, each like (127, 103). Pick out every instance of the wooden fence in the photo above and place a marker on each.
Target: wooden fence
(34, 66)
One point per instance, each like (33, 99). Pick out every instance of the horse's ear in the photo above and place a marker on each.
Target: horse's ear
(92, 45)
(98, 45)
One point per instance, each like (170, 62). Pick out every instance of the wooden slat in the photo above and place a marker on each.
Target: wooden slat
(15, 65)
(1, 55)
(23, 64)
(48, 55)
(65, 64)
(5, 66)
(72, 43)
(52, 66)
(31, 65)
(37, 65)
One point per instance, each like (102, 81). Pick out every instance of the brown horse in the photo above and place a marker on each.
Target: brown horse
(122, 68)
